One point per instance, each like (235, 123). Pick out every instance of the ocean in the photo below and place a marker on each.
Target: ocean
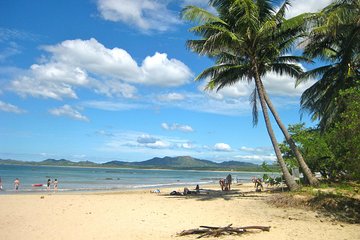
(104, 179)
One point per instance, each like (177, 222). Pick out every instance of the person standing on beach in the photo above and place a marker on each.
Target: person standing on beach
(1, 187)
(16, 184)
(48, 184)
(55, 185)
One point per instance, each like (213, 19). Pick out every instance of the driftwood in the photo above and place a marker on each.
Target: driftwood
(207, 231)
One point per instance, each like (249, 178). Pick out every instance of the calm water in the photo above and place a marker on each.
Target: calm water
(93, 179)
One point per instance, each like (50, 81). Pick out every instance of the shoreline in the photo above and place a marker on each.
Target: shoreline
(108, 191)
(134, 168)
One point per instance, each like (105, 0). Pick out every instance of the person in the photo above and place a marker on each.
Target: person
(197, 188)
(55, 185)
(228, 181)
(16, 184)
(1, 187)
(258, 185)
(222, 184)
(48, 184)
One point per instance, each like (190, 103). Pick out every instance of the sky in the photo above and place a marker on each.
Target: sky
(104, 80)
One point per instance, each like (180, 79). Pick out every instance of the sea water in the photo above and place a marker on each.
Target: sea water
(103, 179)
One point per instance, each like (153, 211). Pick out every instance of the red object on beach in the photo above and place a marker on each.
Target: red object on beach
(37, 185)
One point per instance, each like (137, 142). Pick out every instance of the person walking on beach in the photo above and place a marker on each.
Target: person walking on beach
(48, 184)
(1, 187)
(55, 185)
(16, 184)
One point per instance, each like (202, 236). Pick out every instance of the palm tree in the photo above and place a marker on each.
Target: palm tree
(335, 39)
(304, 167)
(247, 39)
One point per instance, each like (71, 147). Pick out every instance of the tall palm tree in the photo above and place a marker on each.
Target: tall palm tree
(247, 39)
(335, 39)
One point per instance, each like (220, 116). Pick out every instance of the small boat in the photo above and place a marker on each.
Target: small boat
(37, 185)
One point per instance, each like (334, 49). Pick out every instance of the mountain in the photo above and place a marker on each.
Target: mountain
(181, 162)
(185, 162)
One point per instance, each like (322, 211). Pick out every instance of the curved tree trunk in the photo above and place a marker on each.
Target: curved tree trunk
(304, 167)
(289, 180)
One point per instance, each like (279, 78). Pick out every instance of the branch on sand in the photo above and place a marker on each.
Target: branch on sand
(207, 231)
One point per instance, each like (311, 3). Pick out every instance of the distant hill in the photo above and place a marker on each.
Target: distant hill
(181, 162)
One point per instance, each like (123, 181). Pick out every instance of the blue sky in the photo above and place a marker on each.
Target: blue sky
(104, 80)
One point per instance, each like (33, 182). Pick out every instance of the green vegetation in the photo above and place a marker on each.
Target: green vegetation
(334, 152)
(334, 38)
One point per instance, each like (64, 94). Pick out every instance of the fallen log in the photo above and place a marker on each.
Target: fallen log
(207, 231)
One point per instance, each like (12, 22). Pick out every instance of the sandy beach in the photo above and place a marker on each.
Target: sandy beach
(143, 215)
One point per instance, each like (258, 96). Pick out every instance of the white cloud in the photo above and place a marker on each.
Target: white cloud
(171, 97)
(187, 145)
(258, 158)
(275, 84)
(176, 126)
(68, 111)
(146, 15)
(157, 144)
(89, 64)
(110, 106)
(114, 88)
(300, 6)
(7, 107)
(145, 139)
(161, 71)
(222, 147)
(25, 85)
(94, 57)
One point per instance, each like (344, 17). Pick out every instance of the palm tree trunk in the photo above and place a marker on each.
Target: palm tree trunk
(289, 180)
(304, 167)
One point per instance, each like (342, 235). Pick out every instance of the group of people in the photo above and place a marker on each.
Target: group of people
(48, 184)
(225, 183)
(187, 191)
(55, 183)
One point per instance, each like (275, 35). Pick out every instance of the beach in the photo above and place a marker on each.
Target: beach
(139, 214)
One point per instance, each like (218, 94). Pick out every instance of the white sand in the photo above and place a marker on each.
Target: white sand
(144, 215)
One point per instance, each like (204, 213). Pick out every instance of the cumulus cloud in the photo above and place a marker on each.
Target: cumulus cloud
(300, 6)
(146, 15)
(68, 111)
(161, 71)
(176, 126)
(7, 107)
(275, 84)
(89, 64)
(222, 147)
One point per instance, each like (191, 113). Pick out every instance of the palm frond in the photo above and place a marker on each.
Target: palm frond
(199, 15)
